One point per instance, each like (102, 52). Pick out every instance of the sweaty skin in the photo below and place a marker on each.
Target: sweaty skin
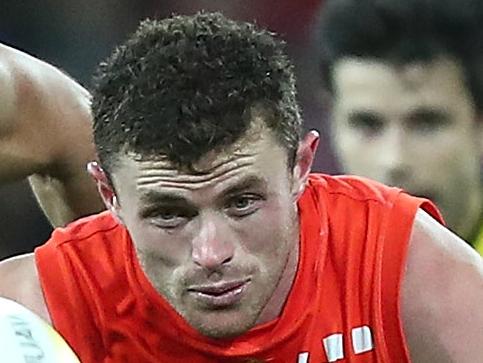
(220, 244)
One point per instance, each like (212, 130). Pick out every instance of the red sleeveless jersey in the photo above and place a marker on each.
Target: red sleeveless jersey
(344, 305)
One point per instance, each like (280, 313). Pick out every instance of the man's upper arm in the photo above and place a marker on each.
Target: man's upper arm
(7, 99)
(24, 120)
(46, 133)
(442, 296)
(19, 282)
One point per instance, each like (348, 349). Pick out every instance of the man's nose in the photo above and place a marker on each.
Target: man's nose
(212, 246)
(394, 157)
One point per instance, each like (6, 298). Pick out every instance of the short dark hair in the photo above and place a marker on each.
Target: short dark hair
(404, 31)
(183, 86)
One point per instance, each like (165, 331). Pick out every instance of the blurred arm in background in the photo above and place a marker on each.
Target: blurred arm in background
(45, 135)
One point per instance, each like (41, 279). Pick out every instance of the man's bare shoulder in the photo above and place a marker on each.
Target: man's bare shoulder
(19, 281)
(442, 295)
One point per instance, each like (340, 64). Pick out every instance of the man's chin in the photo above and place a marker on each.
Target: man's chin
(222, 324)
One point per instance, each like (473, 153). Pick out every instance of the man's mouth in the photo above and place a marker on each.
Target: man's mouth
(220, 294)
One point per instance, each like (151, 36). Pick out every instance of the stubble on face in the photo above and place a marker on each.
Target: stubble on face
(264, 247)
(265, 296)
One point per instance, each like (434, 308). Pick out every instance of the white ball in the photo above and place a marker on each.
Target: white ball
(26, 338)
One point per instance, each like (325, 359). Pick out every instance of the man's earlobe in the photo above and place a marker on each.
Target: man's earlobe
(104, 186)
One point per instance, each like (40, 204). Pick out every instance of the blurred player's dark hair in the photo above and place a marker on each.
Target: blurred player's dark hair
(404, 31)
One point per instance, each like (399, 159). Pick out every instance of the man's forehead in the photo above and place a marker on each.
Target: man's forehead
(258, 162)
(358, 71)
(375, 85)
(255, 143)
(240, 166)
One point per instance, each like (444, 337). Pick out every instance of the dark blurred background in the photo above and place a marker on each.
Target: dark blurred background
(75, 36)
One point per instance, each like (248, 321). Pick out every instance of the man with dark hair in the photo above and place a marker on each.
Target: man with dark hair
(405, 83)
(219, 245)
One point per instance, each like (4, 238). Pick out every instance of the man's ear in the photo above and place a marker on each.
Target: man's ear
(104, 187)
(304, 159)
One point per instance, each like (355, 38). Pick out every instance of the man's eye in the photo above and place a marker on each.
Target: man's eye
(169, 219)
(243, 206)
(167, 216)
(429, 122)
(425, 126)
(365, 122)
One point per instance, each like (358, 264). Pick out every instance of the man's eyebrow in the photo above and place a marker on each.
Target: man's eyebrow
(429, 113)
(150, 197)
(248, 182)
(358, 113)
(159, 197)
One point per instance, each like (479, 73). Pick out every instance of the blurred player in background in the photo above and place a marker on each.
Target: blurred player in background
(405, 84)
(220, 245)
